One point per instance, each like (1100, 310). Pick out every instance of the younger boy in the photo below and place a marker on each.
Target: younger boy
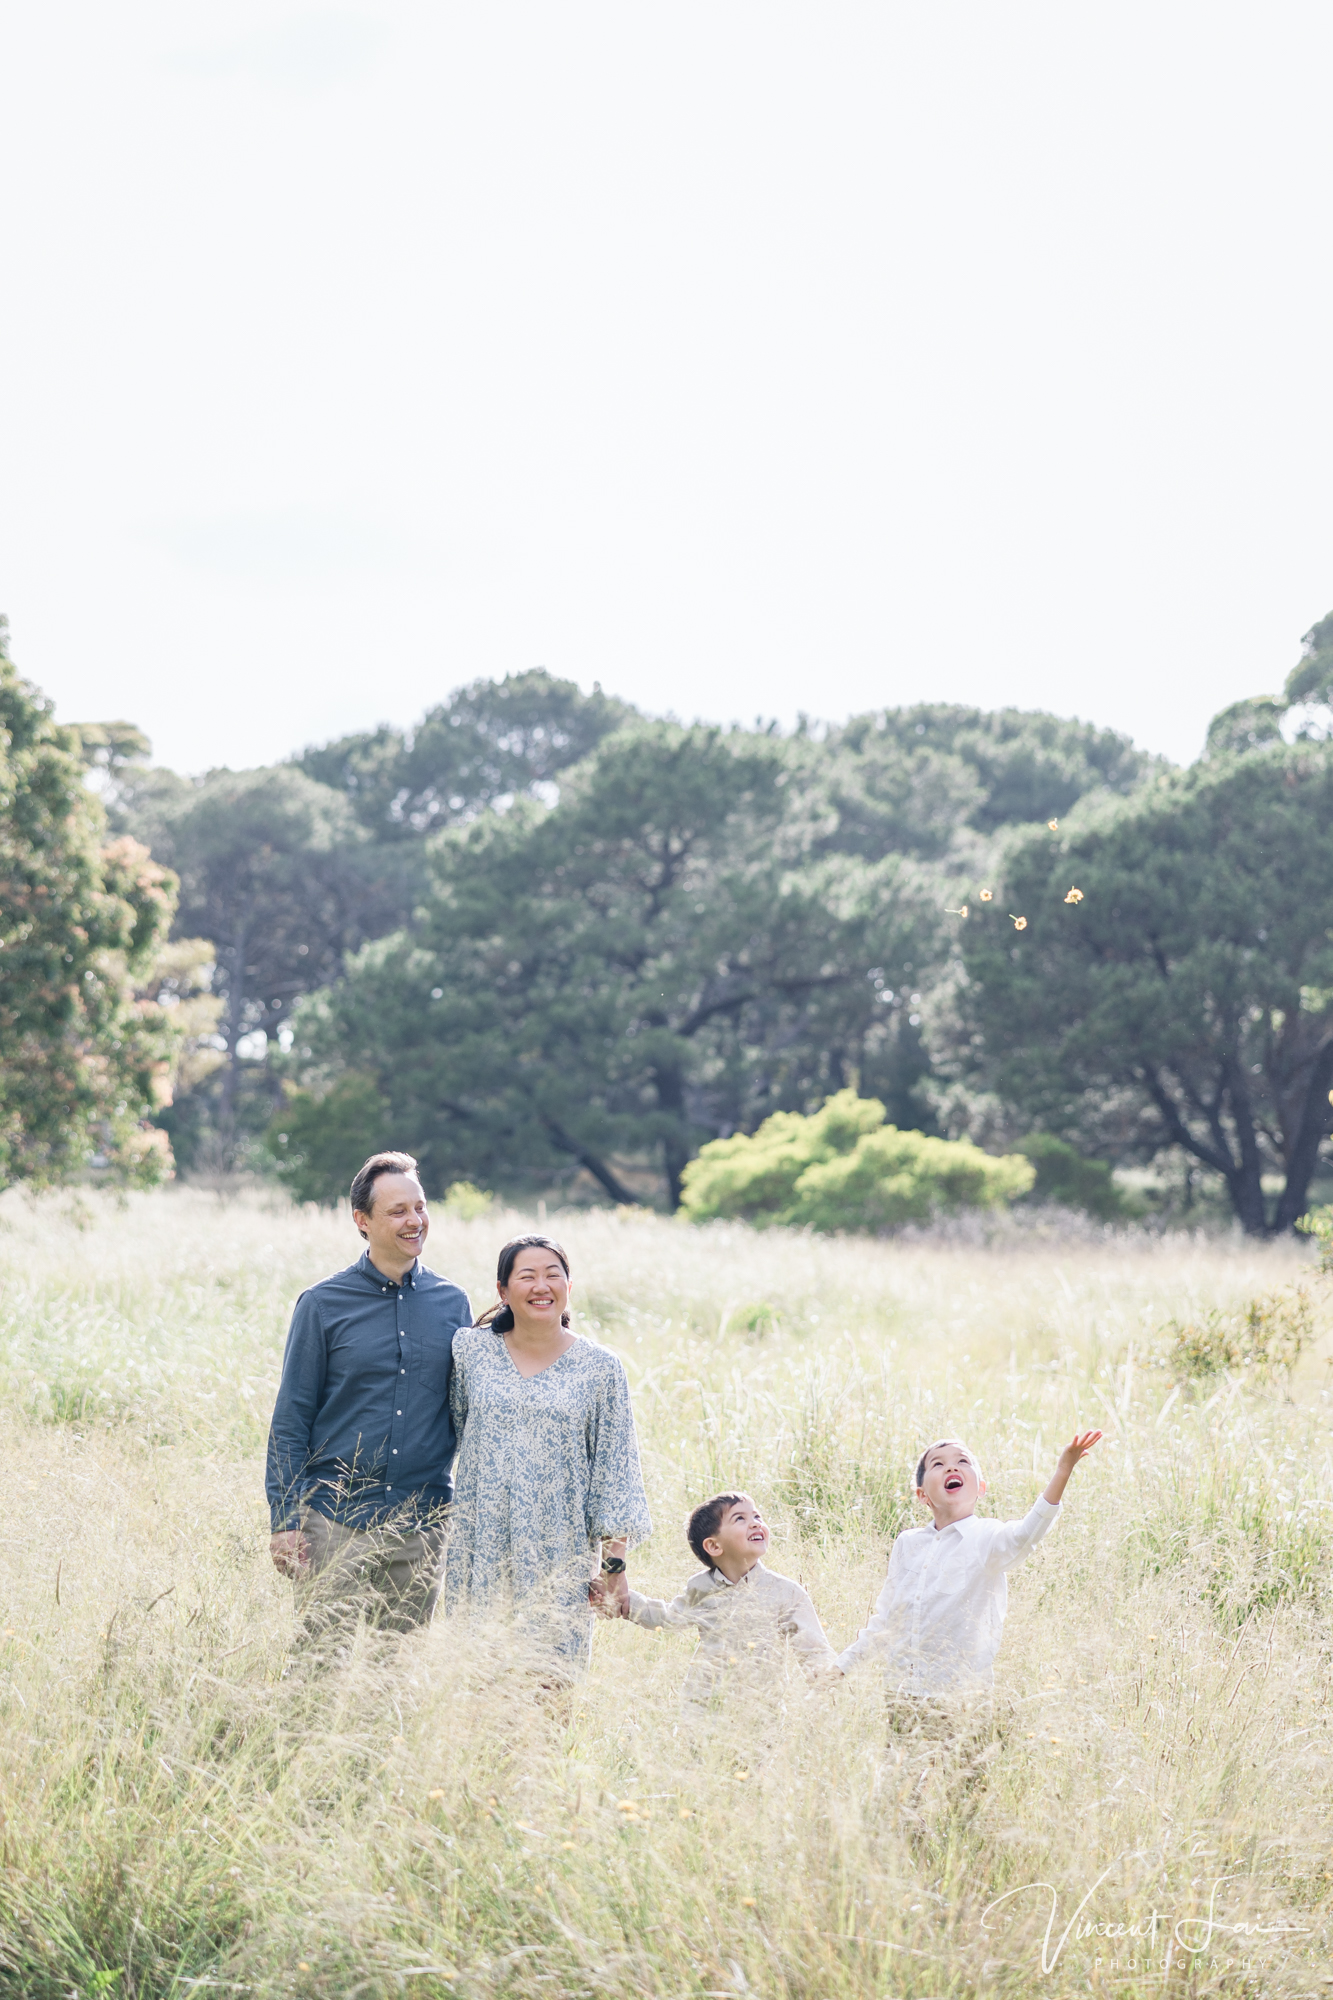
(940, 1616)
(744, 1614)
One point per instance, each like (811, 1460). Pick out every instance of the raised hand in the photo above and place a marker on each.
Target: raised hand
(1078, 1447)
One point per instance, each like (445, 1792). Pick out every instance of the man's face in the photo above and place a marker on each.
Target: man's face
(396, 1226)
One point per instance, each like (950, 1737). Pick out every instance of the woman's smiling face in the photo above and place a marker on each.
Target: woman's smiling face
(538, 1288)
(951, 1483)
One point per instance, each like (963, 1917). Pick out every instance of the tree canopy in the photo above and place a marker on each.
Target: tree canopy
(655, 959)
(80, 1060)
(1187, 998)
(539, 936)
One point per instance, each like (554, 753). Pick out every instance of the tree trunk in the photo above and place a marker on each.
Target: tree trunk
(670, 1087)
(235, 1030)
(1310, 1135)
(597, 1168)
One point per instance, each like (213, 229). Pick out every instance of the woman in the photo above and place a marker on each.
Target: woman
(548, 1496)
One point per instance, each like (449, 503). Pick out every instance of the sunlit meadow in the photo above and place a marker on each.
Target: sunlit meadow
(186, 1808)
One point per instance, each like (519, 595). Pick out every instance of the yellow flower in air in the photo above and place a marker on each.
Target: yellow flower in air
(1019, 923)
(1054, 825)
(1074, 896)
(986, 895)
(963, 911)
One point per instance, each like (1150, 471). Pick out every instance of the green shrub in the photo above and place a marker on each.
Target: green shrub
(1318, 1222)
(1065, 1176)
(1265, 1339)
(465, 1202)
(319, 1142)
(844, 1168)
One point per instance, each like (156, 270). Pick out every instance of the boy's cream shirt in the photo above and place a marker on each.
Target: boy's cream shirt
(741, 1624)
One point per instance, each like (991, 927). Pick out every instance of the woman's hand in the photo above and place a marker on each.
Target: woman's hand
(610, 1595)
(615, 1595)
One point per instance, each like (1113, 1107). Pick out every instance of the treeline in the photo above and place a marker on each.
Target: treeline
(550, 943)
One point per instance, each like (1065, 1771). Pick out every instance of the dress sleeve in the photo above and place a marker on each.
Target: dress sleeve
(1013, 1540)
(800, 1622)
(617, 1503)
(458, 1389)
(881, 1617)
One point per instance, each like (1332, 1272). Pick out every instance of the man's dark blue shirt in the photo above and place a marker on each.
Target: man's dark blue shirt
(361, 1428)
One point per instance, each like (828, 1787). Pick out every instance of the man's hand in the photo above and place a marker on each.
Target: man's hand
(290, 1552)
(1078, 1447)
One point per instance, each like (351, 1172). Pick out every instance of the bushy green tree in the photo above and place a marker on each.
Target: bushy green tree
(276, 873)
(318, 1142)
(80, 1061)
(1064, 1176)
(935, 778)
(844, 1168)
(489, 741)
(658, 957)
(1187, 999)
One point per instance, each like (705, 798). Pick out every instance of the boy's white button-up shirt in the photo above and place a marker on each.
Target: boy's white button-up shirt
(940, 1616)
(748, 1623)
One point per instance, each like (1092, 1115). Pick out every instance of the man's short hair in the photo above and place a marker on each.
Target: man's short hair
(363, 1186)
(705, 1521)
(939, 1442)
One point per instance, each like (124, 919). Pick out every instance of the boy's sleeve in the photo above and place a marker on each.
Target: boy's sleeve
(801, 1624)
(300, 1391)
(655, 1611)
(1013, 1540)
(869, 1635)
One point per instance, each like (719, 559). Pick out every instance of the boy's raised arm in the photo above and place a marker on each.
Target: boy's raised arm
(1078, 1447)
(1013, 1540)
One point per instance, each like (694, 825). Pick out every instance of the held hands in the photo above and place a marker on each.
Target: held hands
(610, 1595)
(1078, 1447)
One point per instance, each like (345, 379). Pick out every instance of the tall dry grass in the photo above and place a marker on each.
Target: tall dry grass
(185, 1808)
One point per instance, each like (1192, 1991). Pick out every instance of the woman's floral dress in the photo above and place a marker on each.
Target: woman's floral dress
(548, 1465)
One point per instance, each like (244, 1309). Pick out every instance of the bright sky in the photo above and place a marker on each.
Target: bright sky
(746, 357)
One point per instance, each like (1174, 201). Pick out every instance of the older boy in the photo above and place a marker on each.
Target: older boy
(745, 1615)
(940, 1616)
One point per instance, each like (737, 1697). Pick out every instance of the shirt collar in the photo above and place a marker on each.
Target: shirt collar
(377, 1276)
(967, 1526)
(725, 1582)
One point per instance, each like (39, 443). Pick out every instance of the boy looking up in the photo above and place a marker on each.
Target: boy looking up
(940, 1616)
(744, 1614)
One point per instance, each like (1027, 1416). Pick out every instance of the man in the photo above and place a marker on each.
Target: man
(361, 1445)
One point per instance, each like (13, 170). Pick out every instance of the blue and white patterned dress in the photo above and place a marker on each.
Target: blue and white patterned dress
(548, 1466)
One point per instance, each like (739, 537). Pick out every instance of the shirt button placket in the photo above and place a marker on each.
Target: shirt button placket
(400, 1311)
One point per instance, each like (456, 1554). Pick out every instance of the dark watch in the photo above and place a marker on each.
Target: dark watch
(613, 1565)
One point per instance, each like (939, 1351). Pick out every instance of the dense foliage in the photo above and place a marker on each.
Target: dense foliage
(551, 944)
(82, 1061)
(844, 1168)
(1188, 998)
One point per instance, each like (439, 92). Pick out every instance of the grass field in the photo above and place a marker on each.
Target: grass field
(183, 1812)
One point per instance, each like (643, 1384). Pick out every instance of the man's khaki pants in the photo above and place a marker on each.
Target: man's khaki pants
(388, 1576)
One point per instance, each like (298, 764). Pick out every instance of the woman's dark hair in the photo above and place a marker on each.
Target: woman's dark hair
(705, 1521)
(363, 1186)
(500, 1319)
